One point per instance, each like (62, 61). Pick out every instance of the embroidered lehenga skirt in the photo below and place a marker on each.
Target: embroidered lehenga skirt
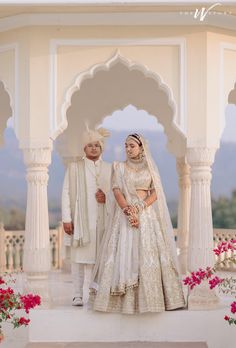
(134, 272)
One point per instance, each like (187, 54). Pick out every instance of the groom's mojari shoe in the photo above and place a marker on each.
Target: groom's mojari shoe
(77, 301)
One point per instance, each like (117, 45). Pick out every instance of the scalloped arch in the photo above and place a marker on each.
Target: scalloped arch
(6, 110)
(232, 95)
(166, 108)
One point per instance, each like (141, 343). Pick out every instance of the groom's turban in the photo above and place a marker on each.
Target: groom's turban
(90, 136)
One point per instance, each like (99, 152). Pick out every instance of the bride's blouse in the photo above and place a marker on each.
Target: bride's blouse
(136, 174)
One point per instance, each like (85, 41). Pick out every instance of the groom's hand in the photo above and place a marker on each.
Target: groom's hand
(100, 196)
(68, 227)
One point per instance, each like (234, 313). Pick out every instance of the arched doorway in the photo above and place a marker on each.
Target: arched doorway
(12, 212)
(5, 111)
(223, 182)
(113, 85)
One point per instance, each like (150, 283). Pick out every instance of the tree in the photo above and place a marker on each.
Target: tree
(224, 211)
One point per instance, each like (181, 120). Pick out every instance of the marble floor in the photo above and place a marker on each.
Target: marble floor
(119, 345)
(57, 294)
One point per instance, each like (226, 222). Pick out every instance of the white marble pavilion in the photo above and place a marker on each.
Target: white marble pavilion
(62, 63)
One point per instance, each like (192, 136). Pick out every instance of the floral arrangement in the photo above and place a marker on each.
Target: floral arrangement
(11, 302)
(225, 285)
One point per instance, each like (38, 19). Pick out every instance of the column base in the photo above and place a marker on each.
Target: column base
(41, 287)
(37, 262)
(37, 275)
(203, 298)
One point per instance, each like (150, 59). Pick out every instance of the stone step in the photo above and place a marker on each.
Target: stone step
(119, 345)
(71, 325)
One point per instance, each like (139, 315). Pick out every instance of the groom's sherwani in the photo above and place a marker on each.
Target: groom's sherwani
(79, 205)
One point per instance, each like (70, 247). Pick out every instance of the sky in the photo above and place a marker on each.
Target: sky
(229, 133)
(131, 118)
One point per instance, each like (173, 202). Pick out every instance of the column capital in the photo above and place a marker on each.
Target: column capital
(37, 157)
(201, 156)
(183, 170)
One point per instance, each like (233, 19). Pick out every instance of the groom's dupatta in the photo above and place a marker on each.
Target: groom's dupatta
(78, 204)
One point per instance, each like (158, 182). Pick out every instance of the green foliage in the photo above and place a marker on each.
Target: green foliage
(174, 220)
(224, 212)
(13, 219)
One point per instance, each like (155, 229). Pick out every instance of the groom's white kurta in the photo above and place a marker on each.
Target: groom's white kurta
(96, 211)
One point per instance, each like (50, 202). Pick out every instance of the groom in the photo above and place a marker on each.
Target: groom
(85, 188)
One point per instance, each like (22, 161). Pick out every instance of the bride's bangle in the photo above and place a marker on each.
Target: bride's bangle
(126, 210)
(140, 206)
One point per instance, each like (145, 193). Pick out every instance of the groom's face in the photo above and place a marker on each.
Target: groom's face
(93, 150)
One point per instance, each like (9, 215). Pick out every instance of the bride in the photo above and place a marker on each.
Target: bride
(136, 269)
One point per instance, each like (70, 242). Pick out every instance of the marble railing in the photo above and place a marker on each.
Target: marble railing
(12, 248)
(221, 235)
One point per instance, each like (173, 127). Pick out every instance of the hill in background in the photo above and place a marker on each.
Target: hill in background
(13, 183)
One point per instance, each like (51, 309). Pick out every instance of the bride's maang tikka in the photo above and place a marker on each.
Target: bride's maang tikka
(136, 138)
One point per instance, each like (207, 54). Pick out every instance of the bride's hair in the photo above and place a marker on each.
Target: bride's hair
(136, 137)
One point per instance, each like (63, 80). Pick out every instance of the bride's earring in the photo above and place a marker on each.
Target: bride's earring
(141, 154)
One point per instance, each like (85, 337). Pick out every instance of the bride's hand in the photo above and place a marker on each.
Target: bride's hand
(130, 210)
(134, 221)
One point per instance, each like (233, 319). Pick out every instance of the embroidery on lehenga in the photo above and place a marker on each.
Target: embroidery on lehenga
(136, 271)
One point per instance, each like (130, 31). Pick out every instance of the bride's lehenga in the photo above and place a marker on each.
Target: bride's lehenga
(135, 271)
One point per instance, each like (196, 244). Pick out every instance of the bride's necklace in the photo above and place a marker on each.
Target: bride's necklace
(136, 164)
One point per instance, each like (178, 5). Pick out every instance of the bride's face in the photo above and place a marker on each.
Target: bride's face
(132, 148)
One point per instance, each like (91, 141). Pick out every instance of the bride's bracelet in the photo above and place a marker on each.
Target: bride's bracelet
(135, 209)
(140, 206)
(132, 219)
(126, 210)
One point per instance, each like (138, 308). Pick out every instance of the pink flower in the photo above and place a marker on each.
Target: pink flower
(233, 307)
(11, 302)
(23, 321)
(30, 301)
(197, 277)
(215, 281)
(225, 246)
(7, 291)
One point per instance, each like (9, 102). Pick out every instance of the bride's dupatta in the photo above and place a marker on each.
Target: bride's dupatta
(125, 261)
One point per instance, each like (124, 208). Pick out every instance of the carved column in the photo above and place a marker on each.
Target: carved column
(37, 258)
(200, 248)
(183, 170)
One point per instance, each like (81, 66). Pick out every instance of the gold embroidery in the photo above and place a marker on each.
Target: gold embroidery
(157, 288)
